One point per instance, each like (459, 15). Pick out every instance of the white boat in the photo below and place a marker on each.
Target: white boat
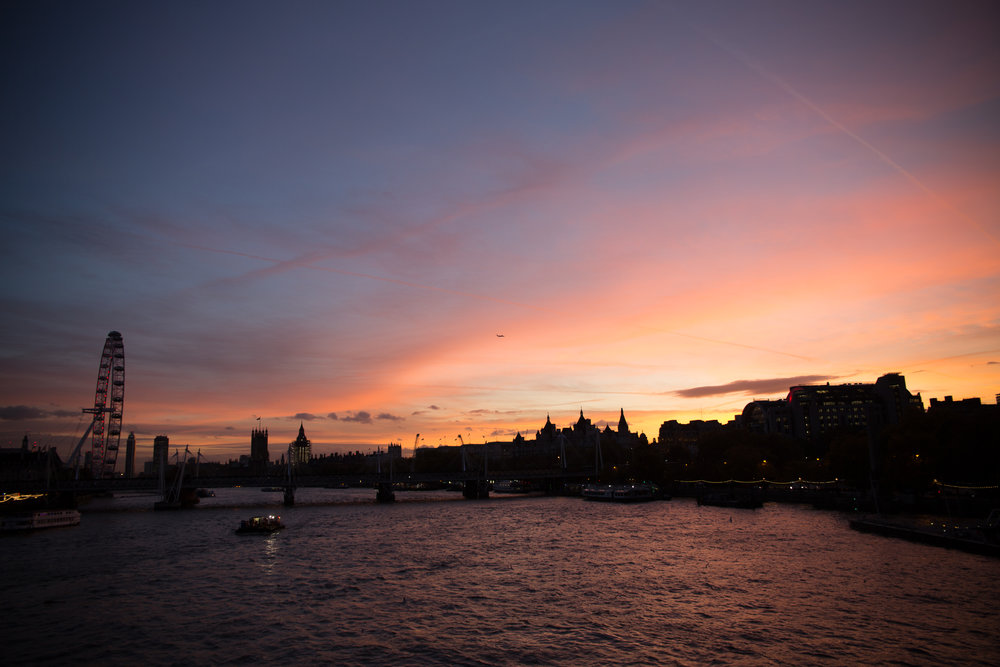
(35, 520)
(512, 486)
(632, 493)
(619, 493)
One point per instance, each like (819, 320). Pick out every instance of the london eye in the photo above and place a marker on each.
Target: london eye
(109, 399)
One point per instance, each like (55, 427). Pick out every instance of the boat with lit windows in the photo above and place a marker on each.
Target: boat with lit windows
(512, 486)
(632, 493)
(38, 519)
(598, 492)
(621, 493)
(33, 511)
(260, 524)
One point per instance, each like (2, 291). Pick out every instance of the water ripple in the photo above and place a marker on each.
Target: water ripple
(540, 581)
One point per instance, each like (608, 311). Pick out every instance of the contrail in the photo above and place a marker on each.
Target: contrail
(734, 344)
(785, 86)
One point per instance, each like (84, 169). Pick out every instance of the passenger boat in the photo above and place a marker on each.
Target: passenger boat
(620, 493)
(512, 486)
(598, 492)
(632, 493)
(261, 524)
(35, 520)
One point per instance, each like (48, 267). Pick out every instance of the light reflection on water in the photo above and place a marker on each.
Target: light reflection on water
(501, 581)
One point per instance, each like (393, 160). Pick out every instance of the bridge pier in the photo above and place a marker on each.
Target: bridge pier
(476, 489)
(289, 496)
(385, 494)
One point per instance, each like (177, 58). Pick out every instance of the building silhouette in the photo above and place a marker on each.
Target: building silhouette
(582, 428)
(28, 462)
(301, 449)
(259, 457)
(623, 436)
(130, 456)
(681, 440)
(812, 412)
(161, 452)
(546, 435)
(965, 406)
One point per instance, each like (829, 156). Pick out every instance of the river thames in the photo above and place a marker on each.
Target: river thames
(504, 581)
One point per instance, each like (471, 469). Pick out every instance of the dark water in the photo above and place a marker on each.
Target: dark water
(545, 581)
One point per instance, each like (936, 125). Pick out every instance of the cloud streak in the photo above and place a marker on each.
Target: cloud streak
(27, 412)
(751, 387)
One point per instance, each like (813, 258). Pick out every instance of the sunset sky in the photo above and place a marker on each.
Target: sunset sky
(326, 212)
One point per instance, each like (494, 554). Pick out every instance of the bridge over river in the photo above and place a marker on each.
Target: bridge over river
(475, 484)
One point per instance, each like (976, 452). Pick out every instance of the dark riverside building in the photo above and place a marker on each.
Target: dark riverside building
(811, 412)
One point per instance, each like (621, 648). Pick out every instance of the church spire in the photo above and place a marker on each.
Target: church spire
(622, 424)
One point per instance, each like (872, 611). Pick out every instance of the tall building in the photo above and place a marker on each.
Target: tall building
(161, 452)
(301, 448)
(896, 399)
(130, 456)
(812, 411)
(817, 410)
(258, 450)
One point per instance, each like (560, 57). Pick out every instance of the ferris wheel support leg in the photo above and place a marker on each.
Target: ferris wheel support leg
(74, 458)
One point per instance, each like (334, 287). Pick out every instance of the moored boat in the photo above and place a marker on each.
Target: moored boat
(512, 486)
(260, 524)
(37, 519)
(632, 493)
(598, 492)
(621, 493)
